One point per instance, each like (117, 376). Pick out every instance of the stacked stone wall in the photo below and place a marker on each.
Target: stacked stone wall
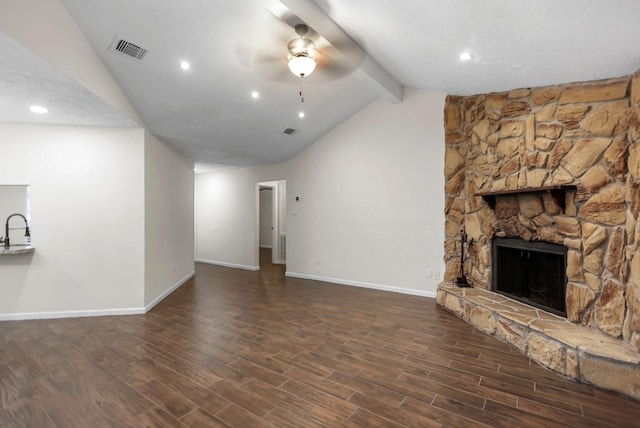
(585, 134)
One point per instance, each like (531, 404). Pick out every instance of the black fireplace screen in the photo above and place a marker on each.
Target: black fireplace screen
(532, 272)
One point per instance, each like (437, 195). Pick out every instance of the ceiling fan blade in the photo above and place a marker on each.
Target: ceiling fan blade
(272, 69)
(347, 55)
(327, 73)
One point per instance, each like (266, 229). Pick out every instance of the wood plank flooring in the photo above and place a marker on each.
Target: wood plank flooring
(233, 348)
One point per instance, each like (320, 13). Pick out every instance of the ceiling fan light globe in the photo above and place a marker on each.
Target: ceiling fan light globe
(301, 65)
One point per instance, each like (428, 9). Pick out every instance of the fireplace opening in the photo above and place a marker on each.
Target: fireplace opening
(533, 272)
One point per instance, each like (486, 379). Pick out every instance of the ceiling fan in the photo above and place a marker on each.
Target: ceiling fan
(302, 53)
(279, 56)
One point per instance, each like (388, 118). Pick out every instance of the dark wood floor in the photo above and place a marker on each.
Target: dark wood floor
(251, 349)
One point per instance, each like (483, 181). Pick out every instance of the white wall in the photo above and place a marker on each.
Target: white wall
(371, 198)
(371, 201)
(227, 216)
(266, 218)
(87, 204)
(112, 208)
(169, 212)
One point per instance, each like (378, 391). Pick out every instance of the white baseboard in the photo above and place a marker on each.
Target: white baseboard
(70, 314)
(173, 288)
(231, 265)
(363, 284)
(92, 312)
(138, 311)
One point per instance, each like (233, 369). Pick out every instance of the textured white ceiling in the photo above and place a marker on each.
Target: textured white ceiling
(28, 80)
(237, 46)
(514, 43)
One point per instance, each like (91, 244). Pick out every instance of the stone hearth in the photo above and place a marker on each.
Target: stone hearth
(585, 137)
(581, 353)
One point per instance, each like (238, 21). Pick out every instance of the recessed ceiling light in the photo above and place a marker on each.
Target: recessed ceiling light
(185, 65)
(465, 56)
(255, 94)
(301, 114)
(38, 109)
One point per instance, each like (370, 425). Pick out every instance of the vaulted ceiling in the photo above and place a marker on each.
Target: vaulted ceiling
(373, 49)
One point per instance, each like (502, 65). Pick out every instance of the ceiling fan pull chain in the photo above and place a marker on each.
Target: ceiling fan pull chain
(301, 96)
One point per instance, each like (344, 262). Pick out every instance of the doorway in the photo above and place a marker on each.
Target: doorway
(266, 218)
(271, 220)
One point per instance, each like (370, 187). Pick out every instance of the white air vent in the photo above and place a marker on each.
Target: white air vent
(289, 131)
(128, 49)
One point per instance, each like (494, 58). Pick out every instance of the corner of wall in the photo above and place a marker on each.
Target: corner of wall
(169, 220)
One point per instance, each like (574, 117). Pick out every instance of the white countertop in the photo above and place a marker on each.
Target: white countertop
(16, 250)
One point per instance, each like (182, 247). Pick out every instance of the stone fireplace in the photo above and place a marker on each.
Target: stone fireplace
(557, 165)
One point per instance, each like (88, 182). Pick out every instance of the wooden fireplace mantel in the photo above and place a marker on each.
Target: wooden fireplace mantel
(557, 193)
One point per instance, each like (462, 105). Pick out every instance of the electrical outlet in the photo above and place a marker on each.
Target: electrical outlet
(429, 273)
(317, 261)
(436, 275)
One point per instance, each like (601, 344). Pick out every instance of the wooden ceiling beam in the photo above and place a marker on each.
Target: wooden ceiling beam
(346, 51)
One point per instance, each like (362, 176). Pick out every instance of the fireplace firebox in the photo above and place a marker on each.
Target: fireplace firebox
(533, 272)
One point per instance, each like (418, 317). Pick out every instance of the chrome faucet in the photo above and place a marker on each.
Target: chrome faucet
(6, 230)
